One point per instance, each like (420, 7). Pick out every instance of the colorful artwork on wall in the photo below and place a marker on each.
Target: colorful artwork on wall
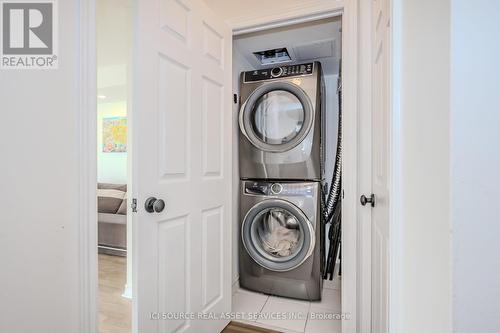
(114, 135)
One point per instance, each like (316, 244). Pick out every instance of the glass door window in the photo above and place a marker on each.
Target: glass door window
(277, 235)
(276, 117)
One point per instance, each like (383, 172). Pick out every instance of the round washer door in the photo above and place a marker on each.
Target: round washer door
(277, 235)
(276, 117)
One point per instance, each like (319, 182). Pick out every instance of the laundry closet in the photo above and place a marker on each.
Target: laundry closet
(286, 175)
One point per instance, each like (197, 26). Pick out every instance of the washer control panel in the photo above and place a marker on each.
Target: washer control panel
(277, 72)
(282, 189)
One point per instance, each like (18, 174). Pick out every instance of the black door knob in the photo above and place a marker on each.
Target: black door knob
(153, 205)
(371, 200)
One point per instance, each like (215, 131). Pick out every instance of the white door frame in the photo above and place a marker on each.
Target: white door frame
(87, 139)
(355, 266)
(396, 223)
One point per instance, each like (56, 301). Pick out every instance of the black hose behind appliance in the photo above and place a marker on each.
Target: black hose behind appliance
(332, 203)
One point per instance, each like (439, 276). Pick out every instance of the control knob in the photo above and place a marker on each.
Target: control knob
(276, 188)
(276, 71)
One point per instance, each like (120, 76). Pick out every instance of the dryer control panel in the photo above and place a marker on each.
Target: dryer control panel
(279, 72)
(282, 189)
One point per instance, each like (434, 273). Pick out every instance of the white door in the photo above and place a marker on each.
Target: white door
(182, 155)
(380, 158)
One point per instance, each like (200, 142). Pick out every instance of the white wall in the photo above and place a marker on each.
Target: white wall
(114, 29)
(39, 278)
(475, 165)
(114, 52)
(425, 168)
(331, 119)
(111, 167)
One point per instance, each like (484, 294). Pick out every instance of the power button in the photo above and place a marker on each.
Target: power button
(276, 188)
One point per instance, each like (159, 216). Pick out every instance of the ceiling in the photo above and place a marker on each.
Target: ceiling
(318, 40)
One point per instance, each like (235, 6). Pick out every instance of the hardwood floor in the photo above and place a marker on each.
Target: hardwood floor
(235, 327)
(115, 311)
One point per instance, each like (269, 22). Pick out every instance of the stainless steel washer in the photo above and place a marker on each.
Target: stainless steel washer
(280, 123)
(281, 238)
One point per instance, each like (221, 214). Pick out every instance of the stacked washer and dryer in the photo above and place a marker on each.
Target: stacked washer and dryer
(281, 170)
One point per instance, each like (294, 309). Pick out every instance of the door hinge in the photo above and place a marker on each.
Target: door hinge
(235, 98)
(133, 205)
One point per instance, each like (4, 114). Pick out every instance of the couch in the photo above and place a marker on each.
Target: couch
(112, 218)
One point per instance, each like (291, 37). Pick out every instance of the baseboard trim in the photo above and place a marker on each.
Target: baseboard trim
(127, 292)
(239, 327)
(236, 285)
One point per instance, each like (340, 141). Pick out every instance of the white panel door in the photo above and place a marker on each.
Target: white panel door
(380, 166)
(182, 155)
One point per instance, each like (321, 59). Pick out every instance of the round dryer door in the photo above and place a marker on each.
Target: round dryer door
(276, 117)
(277, 235)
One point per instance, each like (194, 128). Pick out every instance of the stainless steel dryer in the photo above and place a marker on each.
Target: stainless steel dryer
(281, 238)
(280, 123)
